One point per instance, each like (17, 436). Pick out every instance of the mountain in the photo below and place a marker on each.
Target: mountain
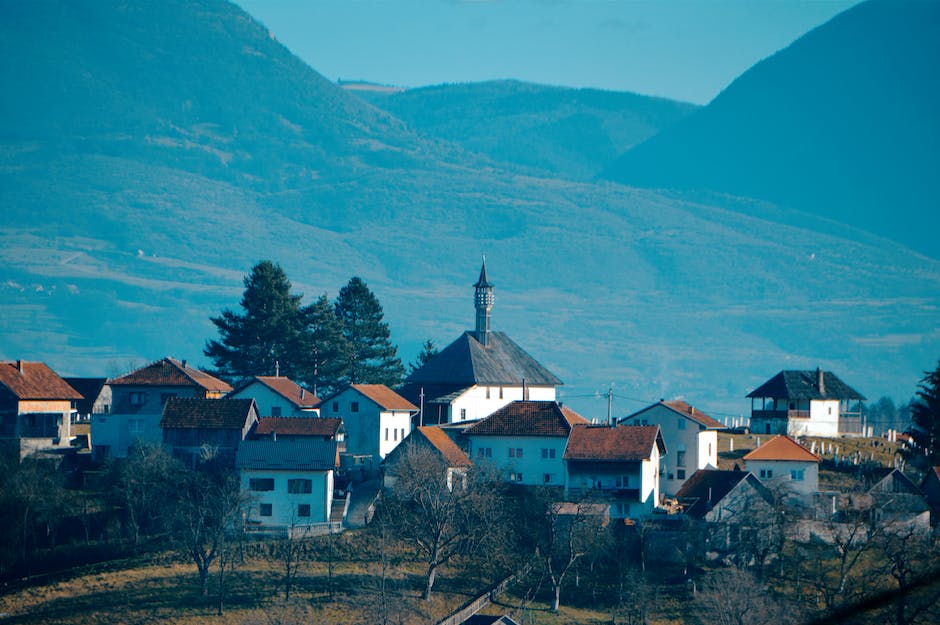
(842, 123)
(555, 131)
(155, 151)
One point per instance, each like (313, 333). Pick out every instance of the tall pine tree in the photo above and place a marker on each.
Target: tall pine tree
(372, 358)
(925, 415)
(268, 333)
(326, 348)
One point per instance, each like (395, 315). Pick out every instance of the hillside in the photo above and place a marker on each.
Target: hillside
(185, 144)
(842, 124)
(556, 131)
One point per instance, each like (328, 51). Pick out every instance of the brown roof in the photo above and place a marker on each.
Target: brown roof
(528, 418)
(289, 390)
(613, 443)
(706, 487)
(689, 411)
(171, 372)
(384, 396)
(782, 447)
(191, 413)
(454, 456)
(298, 426)
(35, 381)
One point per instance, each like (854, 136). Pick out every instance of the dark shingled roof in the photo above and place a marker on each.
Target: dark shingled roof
(171, 372)
(706, 487)
(35, 381)
(298, 426)
(223, 414)
(286, 455)
(467, 362)
(528, 418)
(607, 443)
(804, 385)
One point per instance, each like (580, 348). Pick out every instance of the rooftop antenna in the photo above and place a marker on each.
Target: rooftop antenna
(277, 368)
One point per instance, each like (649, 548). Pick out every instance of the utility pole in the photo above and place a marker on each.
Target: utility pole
(610, 405)
(421, 409)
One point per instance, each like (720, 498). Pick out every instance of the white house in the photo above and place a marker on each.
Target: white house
(806, 403)
(278, 396)
(526, 440)
(691, 437)
(615, 464)
(289, 482)
(478, 373)
(783, 461)
(137, 404)
(375, 417)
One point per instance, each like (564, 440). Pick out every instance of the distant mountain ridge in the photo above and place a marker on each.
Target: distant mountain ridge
(557, 131)
(156, 151)
(842, 123)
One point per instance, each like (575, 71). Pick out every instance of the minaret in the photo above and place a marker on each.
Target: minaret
(483, 301)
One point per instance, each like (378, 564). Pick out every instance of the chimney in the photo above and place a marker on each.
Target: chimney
(301, 392)
(19, 365)
(184, 364)
(821, 381)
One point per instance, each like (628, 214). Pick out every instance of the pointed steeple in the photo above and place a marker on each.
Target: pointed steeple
(483, 301)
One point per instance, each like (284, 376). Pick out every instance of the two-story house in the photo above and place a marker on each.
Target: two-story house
(691, 437)
(783, 461)
(478, 373)
(526, 440)
(289, 482)
(617, 465)
(198, 430)
(376, 420)
(137, 401)
(806, 403)
(278, 396)
(35, 407)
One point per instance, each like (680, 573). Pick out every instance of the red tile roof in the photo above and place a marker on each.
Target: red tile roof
(385, 397)
(453, 455)
(289, 390)
(782, 447)
(689, 411)
(171, 372)
(607, 443)
(190, 413)
(528, 418)
(298, 426)
(35, 380)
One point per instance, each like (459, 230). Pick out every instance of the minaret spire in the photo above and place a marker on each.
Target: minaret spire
(483, 301)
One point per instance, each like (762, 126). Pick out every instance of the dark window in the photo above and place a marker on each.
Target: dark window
(485, 452)
(275, 411)
(680, 474)
(515, 452)
(335, 406)
(548, 453)
(261, 484)
(354, 406)
(299, 486)
(303, 510)
(137, 398)
(680, 458)
(265, 509)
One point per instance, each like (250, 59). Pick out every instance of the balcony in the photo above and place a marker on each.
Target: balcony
(604, 493)
(779, 414)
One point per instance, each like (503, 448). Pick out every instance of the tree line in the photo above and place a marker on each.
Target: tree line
(322, 346)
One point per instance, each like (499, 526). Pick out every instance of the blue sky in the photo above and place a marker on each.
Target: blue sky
(683, 49)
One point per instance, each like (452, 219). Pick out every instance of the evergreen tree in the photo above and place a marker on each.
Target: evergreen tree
(269, 331)
(372, 358)
(428, 351)
(925, 415)
(327, 351)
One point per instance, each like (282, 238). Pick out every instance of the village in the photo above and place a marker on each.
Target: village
(310, 466)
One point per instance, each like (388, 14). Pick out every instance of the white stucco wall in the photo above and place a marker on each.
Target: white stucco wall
(823, 420)
(284, 504)
(365, 428)
(781, 474)
(532, 465)
(394, 426)
(475, 403)
(120, 431)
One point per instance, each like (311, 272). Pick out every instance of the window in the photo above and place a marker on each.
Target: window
(463, 414)
(386, 433)
(395, 434)
(299, 485)
(515, 477)
(303, 510)
(709, 450)
(798, 475)
(766, 473)
(261, 484)
(515, 452)
(484, 452)
(353, 406)
(135, 426)
(403, 434)
(548, 453)
(680, 474)
(265, 509)
(335, 406)
(137, 398)
(275, 411)
(680, 424)
(487, 392)
(680, 458)
(500, 392)
(548, 478)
